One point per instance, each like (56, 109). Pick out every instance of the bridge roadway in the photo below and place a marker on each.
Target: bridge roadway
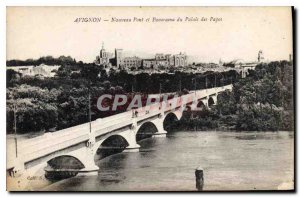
(81, 144)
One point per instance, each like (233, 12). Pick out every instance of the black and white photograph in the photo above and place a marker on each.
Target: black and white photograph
(138, 98)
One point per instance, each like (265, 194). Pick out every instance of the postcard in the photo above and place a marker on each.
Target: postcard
(150, 99)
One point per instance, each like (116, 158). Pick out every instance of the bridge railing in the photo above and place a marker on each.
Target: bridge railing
(58, 134)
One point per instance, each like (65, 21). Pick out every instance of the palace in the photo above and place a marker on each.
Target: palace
(168, 60)
(119, 62)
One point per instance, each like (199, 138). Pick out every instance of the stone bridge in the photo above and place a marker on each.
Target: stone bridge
(80, 144)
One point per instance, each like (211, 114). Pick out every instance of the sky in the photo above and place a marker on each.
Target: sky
(33, 32)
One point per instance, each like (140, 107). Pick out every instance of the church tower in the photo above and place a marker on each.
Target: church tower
(260, 57)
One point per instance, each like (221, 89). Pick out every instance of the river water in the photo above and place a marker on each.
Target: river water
(231, 161)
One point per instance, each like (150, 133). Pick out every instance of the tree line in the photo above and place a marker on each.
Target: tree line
(48, 60)
(51, 104)
(263, 101)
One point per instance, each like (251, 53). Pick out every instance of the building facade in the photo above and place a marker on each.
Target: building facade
(41, 70)
(131, 62)
(168, 60)
(180, 60)
(118, 58)
(160, 60)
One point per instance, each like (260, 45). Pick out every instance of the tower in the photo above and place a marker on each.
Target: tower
(118, 57)
(260, 57)
(220, 62)
(102, 52)
(103, 56)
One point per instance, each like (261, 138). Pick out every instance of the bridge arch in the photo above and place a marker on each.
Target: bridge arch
(146, 130)
(63, 166)
(65, 162)
(112, 145)
(170, 120)
(187, 108)
(211, 101)
(201, 105)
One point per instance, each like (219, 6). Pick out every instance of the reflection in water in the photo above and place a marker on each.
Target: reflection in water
(103, 152)
(56, 175)
(112, 145)
(230, 161)
(62, 167)
(146, 131)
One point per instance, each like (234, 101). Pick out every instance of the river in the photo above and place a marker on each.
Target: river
(231, 161)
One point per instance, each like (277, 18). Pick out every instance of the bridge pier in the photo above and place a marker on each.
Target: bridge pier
(214, 97)
(159, 123)
(130, 136)
(90, 168)
(88, 157)
(133, 145)
(205, 102)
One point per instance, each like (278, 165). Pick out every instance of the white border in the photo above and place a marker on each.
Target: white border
(150, 3)
(5, 3)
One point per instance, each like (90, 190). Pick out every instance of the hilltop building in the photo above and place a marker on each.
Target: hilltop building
(168, 60)
(41, 70)
(118, 58)
(104, 58)
(119, 62)
(132, 62)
